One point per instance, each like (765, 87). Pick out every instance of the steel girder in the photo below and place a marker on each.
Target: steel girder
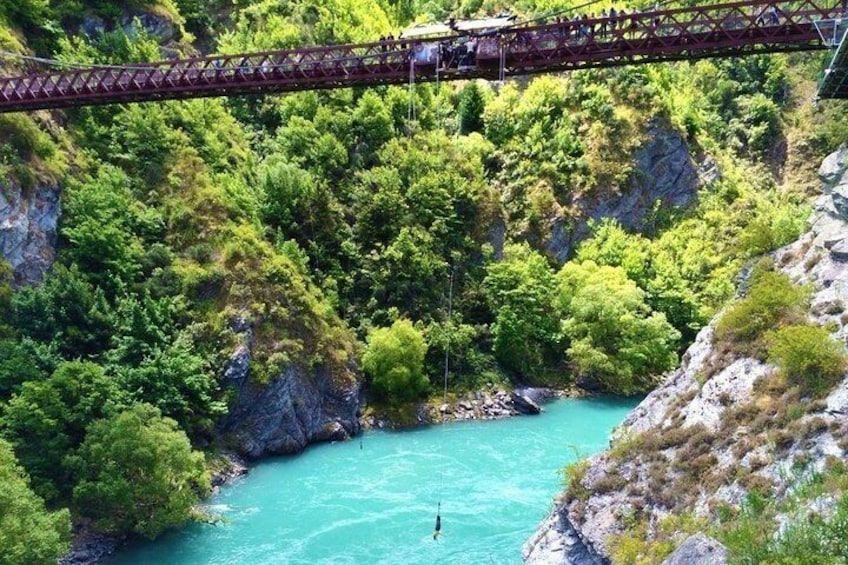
(730, 29)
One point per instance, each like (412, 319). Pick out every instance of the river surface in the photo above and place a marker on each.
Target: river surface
(374, 501)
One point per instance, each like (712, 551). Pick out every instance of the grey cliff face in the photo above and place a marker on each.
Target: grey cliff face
(664, 173)
(557, 542)
(698, 549)
(702, 398)
(155, 25)
(28, 220)
(295, 409)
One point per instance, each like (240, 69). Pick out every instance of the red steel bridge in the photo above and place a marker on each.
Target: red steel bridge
(718, 30)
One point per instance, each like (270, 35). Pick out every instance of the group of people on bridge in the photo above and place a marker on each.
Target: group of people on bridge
(461, 51)
(588, 27)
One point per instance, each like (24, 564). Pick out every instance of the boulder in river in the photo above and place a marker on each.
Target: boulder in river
(524, 404)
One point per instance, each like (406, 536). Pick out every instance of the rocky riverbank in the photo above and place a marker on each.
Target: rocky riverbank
(487, 404)
(718, 428)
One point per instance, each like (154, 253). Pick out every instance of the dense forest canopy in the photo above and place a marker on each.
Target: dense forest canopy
(332, 224)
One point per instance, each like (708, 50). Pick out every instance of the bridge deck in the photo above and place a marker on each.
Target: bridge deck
(835, 81)
(730, 29)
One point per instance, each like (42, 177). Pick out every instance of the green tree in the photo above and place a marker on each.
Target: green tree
(409, 273)
(29, 534)
(519, 290)
(100, 219)
(394, 362)
(616, 341)
(288, 194)
(17, 366)
(176, 379)
(46, 420)
(471, 106)
(66, 312)
(371, 126)
(138, 474)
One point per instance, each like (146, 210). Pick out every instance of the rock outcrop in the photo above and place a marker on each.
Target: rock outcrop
(163, 28)
(665, 174)
(715, 430)
(28, 220)
(698, 549)
(490, 405)
(89, 546)
(296, 408)
(523, 403)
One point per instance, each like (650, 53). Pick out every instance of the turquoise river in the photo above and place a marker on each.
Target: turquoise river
(374, 501)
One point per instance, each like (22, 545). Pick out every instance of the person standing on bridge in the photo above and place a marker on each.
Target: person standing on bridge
(634, 23)
(471, 52)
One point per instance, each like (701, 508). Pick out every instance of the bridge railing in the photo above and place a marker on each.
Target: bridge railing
(314, 64)
(689, 31)
(627, 37)
(735, 23)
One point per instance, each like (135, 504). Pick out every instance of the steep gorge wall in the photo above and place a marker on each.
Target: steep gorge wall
(706, 436)
(665, 176)
(298, 407)
(28, 230)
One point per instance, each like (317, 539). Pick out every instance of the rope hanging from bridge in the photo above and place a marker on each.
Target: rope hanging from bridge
(411, 111)
(438, 531)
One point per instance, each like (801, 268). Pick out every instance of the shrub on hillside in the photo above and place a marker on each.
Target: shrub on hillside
(616, 340)
(29, 534)
(138, 473)
(394, 362)
(807, 356)
(772, 301)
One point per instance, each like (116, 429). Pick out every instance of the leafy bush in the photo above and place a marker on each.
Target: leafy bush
(520, 292)
(616, 340)
(138, 474)
(46, 420)
(807, 356)
(66, 312)
(471, 106)
(394, 362)
(29, 534)
(772, 300)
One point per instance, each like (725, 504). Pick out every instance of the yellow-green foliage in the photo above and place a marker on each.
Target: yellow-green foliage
(572, 479)
(10, 41)
(772, 301)
(29, 534)
(636, 547)
(294, 324)
(613, 334)
(394, 363)
(807, 356)
(270, 24)
(808, 538)
(28, 153)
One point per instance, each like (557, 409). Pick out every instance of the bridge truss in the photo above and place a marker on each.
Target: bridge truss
(719, 30)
